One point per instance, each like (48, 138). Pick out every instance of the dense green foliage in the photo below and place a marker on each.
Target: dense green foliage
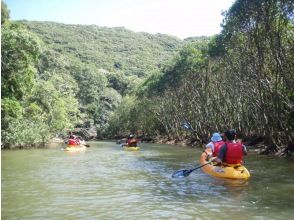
(4, 13)
(118, 81)
(112, 49)
(242, 78)
(71, 75)
(32, 109)
(105, 63)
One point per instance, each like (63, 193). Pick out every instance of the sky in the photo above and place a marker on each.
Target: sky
(181, 18)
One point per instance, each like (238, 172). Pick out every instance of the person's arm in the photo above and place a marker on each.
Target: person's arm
(209, 149)
(210, 145)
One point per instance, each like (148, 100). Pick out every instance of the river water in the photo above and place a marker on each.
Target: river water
(106, 182)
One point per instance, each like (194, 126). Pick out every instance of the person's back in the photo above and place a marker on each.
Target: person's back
(71, 141)
(231, 152)
(234, 153)
(132, 141)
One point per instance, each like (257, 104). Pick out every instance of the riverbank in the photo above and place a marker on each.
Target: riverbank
(48, 144)
(256, 144)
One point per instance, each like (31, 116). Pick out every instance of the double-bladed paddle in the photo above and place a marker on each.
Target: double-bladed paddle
(185, 173)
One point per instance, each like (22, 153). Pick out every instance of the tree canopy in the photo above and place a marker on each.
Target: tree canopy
(57, 77)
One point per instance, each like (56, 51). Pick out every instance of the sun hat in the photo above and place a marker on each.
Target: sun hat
(216, 137)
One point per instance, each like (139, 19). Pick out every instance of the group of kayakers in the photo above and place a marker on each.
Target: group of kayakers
(75, 141)
(220, 150)
(225, 150)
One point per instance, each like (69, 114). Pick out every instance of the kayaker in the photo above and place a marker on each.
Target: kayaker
(72, 141)
(132, 141)
(80, 141)
(231, 152)
(213, 147)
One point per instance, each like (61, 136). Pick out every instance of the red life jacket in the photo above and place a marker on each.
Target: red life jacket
(217, 145)
(132, 142)
(234, 154)
(72, 142)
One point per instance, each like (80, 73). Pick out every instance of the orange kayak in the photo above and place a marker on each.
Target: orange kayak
(229, 171)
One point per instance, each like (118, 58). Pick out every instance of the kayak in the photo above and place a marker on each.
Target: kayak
(131, 148)
(75, 148)
(229, 171)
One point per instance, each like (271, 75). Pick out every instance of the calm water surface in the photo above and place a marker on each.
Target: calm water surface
(106, 182)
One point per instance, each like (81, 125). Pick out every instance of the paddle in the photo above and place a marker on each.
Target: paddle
(187, 125)
(185, 173)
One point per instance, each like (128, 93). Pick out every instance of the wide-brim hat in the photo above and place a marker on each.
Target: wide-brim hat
(216, 137)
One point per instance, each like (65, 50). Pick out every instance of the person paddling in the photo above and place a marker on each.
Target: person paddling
(72, 141)
(132, 141)
(213, 147)
(231, 152)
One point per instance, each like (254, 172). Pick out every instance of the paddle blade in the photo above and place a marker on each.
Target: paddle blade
(181, 173)
(187, 125)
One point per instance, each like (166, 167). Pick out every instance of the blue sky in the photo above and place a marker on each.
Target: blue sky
(181, 18)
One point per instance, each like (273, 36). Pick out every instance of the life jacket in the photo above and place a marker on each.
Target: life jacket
(217, 145)
(132, 142)
(72, 142)
(234, 154)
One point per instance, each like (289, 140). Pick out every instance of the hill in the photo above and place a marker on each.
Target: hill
(112, 49)
(99, 64)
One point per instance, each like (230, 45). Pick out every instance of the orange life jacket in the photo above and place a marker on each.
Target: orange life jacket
(217, 145)
(234, 154)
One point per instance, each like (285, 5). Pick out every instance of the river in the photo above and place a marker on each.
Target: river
(106, 182)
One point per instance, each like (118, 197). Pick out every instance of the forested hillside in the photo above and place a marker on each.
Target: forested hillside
(106, 63)
(56, 77)
(68, 76)
(112, 49)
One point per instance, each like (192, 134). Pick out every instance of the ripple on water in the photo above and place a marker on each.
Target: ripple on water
(106, 182)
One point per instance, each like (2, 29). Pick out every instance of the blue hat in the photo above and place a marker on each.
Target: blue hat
(216, 137)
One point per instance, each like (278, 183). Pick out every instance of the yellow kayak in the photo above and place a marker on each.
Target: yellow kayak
(131, 148)
(229, 171)
(75, 148)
